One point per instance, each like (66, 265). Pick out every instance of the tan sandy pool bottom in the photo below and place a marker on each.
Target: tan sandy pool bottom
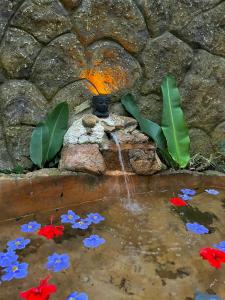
(146, 256)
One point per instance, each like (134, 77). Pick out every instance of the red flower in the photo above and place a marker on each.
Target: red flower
(51, 231)
(215, 257)
(41, 292)
(178, 202)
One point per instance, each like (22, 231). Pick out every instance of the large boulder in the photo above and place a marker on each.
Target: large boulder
(110, 68)
(206, 31)
(200, 142)
(203, 91)
(18, 51)
(163, 55)
(58, 64)
(44, 19)
(82, 158)
(7, 9)
(22, 106)
(78, 95)
(119, 20)
(172, 15)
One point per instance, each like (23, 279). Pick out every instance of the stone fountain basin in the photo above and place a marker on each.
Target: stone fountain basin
(50, 190)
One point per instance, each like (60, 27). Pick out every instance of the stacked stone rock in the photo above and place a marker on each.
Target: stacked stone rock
(90, 148)
(46, 47)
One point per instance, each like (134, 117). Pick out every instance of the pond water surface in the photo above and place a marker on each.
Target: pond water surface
(149, 255)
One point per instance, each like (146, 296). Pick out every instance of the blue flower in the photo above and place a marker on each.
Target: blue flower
(77, 296)
(197, 228)
(188, 192)
(19, 243)
(185, 197)
(16, 270)
(30, 227)
(93, 241)
(82, 224)
(58, 262)
(212, 192)
(201, 296)
(71, 217)
(220, 246)
(7, 258)
(95, 218)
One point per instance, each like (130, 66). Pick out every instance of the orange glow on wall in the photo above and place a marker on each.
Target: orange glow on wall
(105, 81)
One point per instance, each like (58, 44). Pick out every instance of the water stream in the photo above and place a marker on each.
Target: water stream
(128, 202)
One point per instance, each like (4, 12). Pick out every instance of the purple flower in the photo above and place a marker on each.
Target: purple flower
(17, 244)
(82, 224)
(58, 262)
(95, 218)
(197, 228)
(30, 227)
(185, 197)
(70, 217)
(220, 246)
(212, 192)
(16, 270)
(93, 241)
(190, 192)
(7, 258)
(77, 296)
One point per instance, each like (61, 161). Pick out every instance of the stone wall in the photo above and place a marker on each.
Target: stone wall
(53, 51)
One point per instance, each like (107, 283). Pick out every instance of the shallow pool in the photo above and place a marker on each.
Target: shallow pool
(147, 255)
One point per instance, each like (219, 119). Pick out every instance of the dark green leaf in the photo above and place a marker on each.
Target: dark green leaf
(148, 127)
(57, 122)
(39, 144)
(173, 123)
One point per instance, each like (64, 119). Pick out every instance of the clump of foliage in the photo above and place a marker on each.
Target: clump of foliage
(171, 138)
(47, 137)
(17, 170)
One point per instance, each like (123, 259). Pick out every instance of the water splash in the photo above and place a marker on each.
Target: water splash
(128, 202)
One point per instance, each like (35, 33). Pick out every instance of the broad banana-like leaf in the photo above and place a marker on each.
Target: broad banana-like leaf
(148, 127)
(39, 144)
(57, 122)
(173, 123)
(47, 137)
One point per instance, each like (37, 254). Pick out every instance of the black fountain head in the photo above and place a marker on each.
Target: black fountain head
(100, 105)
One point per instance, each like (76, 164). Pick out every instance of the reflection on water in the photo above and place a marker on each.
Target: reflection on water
(149, 255)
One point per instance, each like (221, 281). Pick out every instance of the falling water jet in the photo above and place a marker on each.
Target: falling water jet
(128, 202)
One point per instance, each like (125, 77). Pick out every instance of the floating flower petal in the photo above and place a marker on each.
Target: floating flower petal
(30, 227)
(185, 197)
(95, 218)
(93, 241)
(77, 296)
(212, 192)
(82, 224)
(51, 231)
(58, 262)
(41, 292)
(215, 257)
(8, 258)
(201, 296)
(190, 192)
(178, 202)
(197, 228)
(220, 246)
(70, 217)
(17, 244)
(16, 270)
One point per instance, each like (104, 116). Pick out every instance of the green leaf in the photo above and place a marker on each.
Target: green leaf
(173, 123)
(47, 137)
(57, 122)
(39, 144)
(148, 127)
